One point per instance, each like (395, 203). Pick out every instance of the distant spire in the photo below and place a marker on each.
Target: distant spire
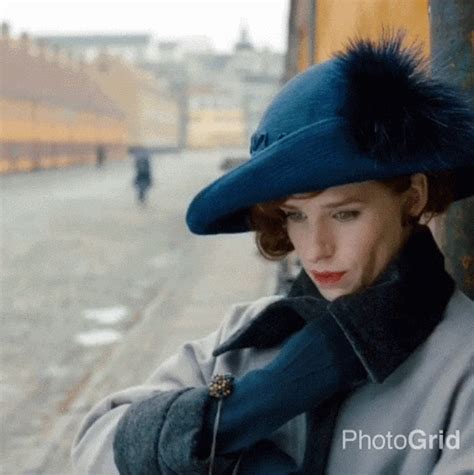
(244, 42)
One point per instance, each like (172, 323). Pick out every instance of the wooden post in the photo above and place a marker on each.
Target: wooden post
(452, 24)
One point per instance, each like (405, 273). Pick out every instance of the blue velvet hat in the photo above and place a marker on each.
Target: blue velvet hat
(372, 112)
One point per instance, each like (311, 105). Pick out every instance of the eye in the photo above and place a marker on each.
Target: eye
(346, 215)
(295, 216)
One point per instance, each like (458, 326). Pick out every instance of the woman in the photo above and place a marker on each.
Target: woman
(366, 366)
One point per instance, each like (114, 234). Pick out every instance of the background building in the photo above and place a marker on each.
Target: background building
(151, 113)
(161, 95)
(52, 113)
(133, 48)
(233, 89)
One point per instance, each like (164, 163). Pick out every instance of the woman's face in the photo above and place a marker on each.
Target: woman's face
(353, 229)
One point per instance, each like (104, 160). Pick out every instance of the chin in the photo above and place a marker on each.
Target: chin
(331, 295)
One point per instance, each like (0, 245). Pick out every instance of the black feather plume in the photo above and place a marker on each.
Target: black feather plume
(395, 108)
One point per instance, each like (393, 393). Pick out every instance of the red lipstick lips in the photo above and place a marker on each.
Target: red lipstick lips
(327, 278)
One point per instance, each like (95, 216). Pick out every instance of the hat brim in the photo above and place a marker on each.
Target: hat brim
(314, 158)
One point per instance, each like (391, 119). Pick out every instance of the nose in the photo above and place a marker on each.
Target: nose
(320, 245)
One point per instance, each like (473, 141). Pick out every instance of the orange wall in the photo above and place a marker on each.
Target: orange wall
(51, 114)
(338, 20)
(24, 120)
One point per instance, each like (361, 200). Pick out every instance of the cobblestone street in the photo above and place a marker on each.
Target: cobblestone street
(96, 291)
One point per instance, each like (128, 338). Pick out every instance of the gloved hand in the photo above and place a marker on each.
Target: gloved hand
(313, 364)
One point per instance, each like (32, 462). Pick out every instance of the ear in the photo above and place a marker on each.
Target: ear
(417, 194)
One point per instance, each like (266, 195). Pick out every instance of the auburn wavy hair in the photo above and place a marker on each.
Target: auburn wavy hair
(269, 222)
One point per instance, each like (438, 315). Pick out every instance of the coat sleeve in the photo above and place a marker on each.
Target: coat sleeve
(176, 395)
(460, 460)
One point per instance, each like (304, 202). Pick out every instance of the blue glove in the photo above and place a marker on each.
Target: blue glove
(314, 363)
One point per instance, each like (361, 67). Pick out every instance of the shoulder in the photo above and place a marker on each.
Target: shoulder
(461, 302)
(458, 319)
(449, 347)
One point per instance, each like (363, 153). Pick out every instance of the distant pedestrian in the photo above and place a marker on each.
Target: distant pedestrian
(100, 156)
(143, 178)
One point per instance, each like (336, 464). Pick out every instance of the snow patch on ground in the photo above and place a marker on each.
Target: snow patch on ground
(107, 316)
(98, 337)
(165, 259)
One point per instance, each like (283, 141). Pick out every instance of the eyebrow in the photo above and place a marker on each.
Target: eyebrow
(335, 204)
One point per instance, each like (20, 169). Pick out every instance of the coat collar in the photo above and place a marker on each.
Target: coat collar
(384, 323)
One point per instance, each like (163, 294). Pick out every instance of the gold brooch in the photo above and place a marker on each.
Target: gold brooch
(221, 385)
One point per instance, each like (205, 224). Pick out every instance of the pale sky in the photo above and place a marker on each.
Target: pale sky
(166, 19)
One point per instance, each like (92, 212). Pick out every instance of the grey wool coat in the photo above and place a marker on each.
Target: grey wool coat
(431, 393)
(413, 330)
